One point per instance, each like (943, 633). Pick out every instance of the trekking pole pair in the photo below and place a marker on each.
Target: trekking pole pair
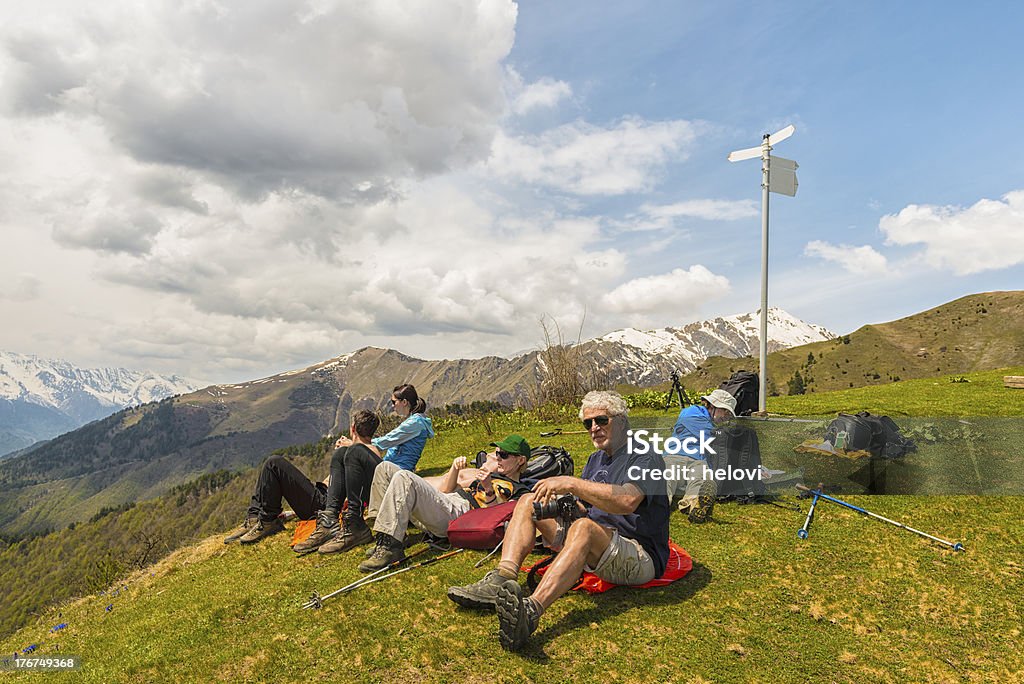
(804, 531)
(317, 601)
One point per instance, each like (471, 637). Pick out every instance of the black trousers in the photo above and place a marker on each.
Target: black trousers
(279, 479)
(351, 476)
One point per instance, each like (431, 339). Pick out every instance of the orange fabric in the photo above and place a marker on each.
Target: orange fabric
(678, 565)
(303, 530)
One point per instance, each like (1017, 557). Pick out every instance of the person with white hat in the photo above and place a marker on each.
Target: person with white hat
(698, 491)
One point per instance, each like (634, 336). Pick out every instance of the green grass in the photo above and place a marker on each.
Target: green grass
(982, 395)
(859, 601)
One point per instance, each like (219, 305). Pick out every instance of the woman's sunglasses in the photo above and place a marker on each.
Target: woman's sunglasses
(600, 420)
(503, 454)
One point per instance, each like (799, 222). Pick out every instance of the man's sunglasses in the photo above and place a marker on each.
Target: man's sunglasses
(600, 420)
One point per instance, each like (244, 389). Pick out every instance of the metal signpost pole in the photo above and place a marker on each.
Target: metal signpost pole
(762, 394)
(784, 183)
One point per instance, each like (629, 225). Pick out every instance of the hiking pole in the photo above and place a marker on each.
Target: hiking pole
(560, 431)
(317, 601)
(803, 531)
(817, 493)
(429, 561)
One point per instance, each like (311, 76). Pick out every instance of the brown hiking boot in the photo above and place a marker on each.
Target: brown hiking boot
(354, 533)
(240, 531)
(481, 594)
(327, 528)
(518, 616)
(388, 550)
(262, 528)
(700, 512)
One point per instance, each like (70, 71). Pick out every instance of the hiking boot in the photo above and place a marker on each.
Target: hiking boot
(262, 528)
(518, 615)
(700, 512)
(481, 594)
(388, 550)
(354, 532)
(240, 531)
(327, 528)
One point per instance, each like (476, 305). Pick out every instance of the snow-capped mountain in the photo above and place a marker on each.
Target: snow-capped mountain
(41, 398)
(647, 356)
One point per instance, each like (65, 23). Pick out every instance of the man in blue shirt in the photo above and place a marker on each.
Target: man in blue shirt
(618, 530)
(693, 428)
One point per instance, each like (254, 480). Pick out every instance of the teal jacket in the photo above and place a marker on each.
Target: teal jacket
(405, 443)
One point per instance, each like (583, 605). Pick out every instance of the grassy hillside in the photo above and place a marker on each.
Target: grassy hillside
(858, 601)
(978, 332)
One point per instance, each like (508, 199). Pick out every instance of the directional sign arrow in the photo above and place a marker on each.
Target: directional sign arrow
(779, 136)
(740, 155)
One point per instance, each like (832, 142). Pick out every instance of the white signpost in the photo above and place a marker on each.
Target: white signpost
(777, 175)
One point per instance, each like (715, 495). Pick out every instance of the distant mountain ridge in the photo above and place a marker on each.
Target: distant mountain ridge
(646, 357)
(42, 398)
(977, 332)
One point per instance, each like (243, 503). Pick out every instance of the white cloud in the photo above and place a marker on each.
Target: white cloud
(590, 160)
(542, 94)
(986, 236)
(268, 95)
(711, 210)
(863, 260)
(669, 297)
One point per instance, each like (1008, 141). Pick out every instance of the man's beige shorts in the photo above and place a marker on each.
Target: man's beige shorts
(623, 562)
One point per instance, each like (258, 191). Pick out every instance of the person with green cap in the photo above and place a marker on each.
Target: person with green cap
(398, 497)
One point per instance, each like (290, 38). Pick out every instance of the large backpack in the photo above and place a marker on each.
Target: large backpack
(745, 387)
(877, 435)
(736, 446)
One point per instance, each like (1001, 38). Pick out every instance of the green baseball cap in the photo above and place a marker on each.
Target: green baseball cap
(513, 444)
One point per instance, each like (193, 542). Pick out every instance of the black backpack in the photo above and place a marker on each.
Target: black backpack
(745, 387)
(545, 461)
(878, 435)
(737, 446)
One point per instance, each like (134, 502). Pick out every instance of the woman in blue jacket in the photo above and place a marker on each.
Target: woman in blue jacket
(405, 443)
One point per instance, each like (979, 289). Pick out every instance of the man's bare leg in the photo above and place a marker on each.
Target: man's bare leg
(521, 535)
(585, 543)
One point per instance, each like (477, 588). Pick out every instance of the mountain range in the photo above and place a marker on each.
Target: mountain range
(42, 398)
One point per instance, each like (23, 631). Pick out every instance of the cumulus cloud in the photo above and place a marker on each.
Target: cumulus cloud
(863, 260)
(544, 93)
(585, 159)
(323, 97)
(988, 235)
(666, 297)
(386, 269)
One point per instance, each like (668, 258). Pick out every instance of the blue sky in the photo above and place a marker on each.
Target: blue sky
(894, 104)
(228, 191)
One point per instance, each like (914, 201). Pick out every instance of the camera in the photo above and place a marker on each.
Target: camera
(564, 507)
